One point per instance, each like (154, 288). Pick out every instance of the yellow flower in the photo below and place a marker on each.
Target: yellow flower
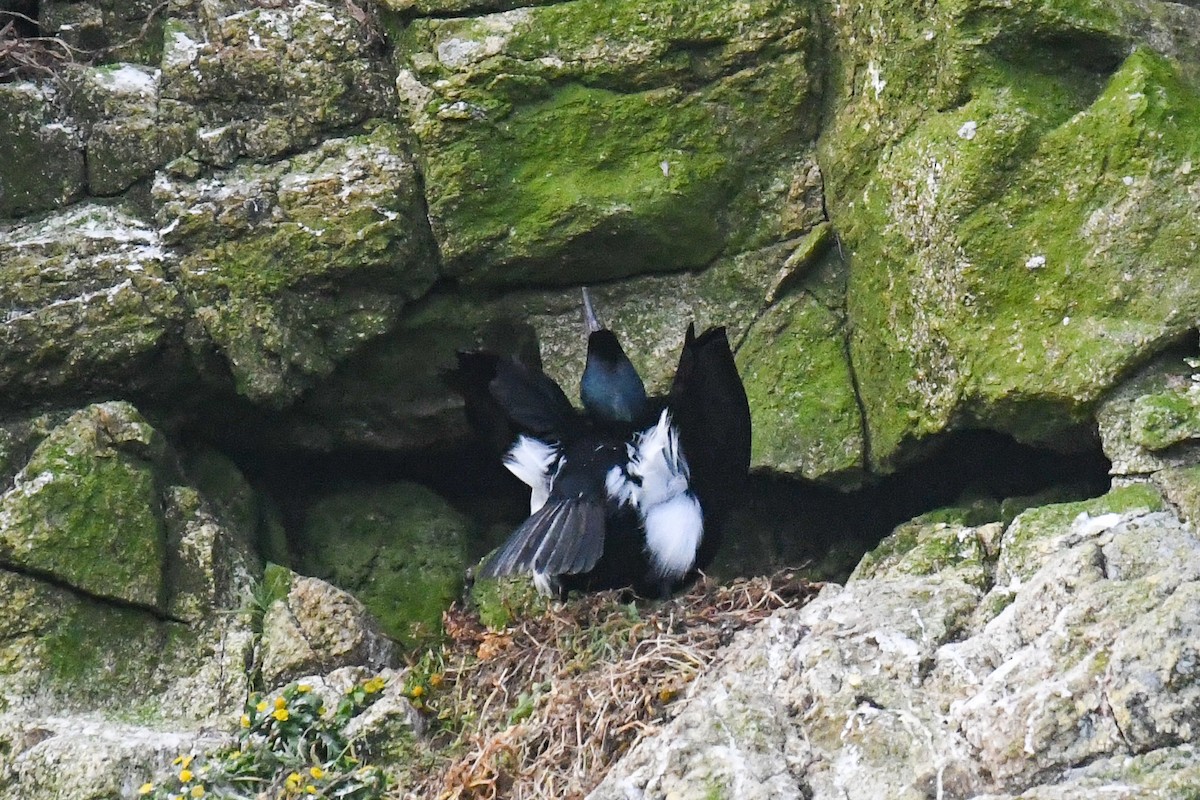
(310, 789)
(374, 685)
(418, 690)
(293, 781)
(316, 772)
(183, 761)
(147, 788)
(435, 680)
(245, 720)
(198, 790)
(280, 714)
(280, 702)
(261, 707)
(185, 776)
(303, 688)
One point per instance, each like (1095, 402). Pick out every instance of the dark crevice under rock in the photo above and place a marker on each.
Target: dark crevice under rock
(972, 477)
(50, 579)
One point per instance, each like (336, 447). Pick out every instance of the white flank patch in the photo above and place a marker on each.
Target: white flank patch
(531, 460)
(673, 532)
(670, 512)
(656, 460)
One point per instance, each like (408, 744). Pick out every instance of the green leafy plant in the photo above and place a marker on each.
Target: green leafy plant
(289, 746)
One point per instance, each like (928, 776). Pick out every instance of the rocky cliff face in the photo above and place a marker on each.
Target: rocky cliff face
(243, 239)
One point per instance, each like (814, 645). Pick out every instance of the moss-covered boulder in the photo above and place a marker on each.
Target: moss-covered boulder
(290, 267)
(399, 548)
(86, 511)
(584, 141)
(263, 81)
(926, 547)
(1017, 187)
(1150, 422)
(804, 410)
(87, 307)
(118, 578)
(1040, 531)
(41, 154)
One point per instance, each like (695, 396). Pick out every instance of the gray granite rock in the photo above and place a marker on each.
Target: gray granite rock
(317, 628)
(910, 682)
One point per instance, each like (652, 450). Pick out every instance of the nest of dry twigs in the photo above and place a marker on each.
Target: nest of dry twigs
(28, 56)
(544, 707)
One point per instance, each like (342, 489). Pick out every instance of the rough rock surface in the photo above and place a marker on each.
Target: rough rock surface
(264, 80)
(915, 681)
(581, 141)
(269, 226)
(316, 628)
(290, 267)
(87, 305)
(85, 508)
(1017, 189)
(119, 585)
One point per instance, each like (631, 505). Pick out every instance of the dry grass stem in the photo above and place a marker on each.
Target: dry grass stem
(542, 709)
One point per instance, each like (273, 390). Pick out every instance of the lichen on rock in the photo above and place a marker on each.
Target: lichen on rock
(120, 582)
(87, 305)
(42, 153)
(262, 82)
(316, 628)
(288, 268)
(85, 509)
(1009, 264)
(1075, 656)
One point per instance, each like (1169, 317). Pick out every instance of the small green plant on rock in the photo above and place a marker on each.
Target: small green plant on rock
(292, 746)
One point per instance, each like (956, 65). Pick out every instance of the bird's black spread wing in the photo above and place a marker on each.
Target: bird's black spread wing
(531, 399)
(503, 397)
(707, 397)
(709, 406)
(564, 537)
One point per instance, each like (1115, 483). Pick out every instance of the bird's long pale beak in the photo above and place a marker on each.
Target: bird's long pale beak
(590, 320)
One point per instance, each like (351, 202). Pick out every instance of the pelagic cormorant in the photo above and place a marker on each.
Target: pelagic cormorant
(632, 490)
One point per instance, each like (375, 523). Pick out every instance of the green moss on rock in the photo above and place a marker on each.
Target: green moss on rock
(1161, 420)
(263, 82)
(303, 261)
(399, 548)
(1017, 196)
(927, 547)
(802, 403)
(87, 307)
(87, 507)
(584, 141)
(1038, 532)
(41, 154)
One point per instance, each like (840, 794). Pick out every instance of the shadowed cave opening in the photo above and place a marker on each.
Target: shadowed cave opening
(787, 522)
